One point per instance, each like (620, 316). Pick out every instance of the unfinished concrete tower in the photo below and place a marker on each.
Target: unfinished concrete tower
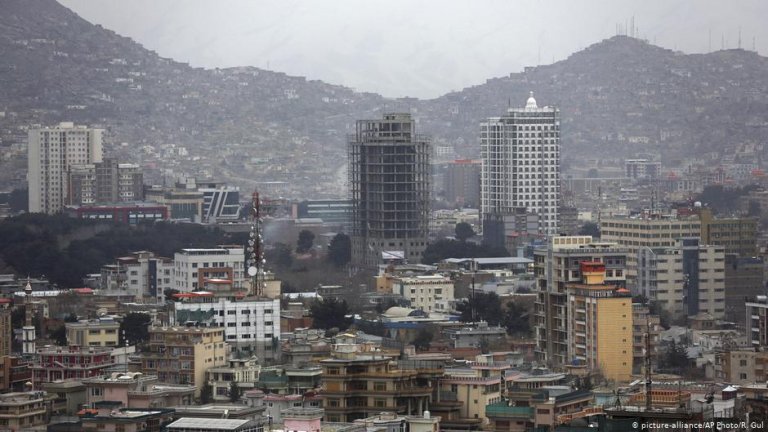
(389, 179)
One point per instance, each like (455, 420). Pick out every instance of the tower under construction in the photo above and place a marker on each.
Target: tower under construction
(389, 178)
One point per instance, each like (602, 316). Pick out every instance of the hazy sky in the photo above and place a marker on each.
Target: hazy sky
(421, 48)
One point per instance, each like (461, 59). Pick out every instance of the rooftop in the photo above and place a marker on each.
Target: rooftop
(202, 424)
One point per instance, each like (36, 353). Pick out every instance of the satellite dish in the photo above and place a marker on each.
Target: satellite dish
(252, 271)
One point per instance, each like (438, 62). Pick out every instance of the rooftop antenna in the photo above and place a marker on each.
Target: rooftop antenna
(739, 37)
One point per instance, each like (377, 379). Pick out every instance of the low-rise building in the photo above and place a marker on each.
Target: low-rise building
(107, 417)
(74, 362)
(186, 424)
(432, 293)
(192, 267)
(137, 390)
(243, 372)
(102, 332)
(474, 336)
(23, 410)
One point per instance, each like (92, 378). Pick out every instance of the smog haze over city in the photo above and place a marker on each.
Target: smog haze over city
(377, 216)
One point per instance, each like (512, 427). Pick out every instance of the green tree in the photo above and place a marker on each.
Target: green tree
(675, 358)
(442, 249)
(330, 313)
(135, 328)
(206, 393)
(487, 307)
(280, 256)
(19, 200)
(169, 294)
(516, 320)
(340, 250)
(305, 241)
(423, 339)
(60, 335)
(590, 229)
(235, 392)
(464, 231)
(71, 318)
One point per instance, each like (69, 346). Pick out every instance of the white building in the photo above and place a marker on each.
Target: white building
(249, 325)
(220, 202)
(520, 154)
(51, 151)
(142, 274)
(193, 267)
(431, 293)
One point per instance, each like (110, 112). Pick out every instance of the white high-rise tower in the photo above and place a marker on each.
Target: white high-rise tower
(521, 170)
(51, 151)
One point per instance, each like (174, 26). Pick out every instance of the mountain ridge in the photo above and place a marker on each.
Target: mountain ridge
(618, 97)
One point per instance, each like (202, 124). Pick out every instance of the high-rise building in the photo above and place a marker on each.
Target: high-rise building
(389, 177)
(462, 182)
(555, 266)
(220, 201)
(521, 167)
(104, 182)
(51, 151)
(685, 279)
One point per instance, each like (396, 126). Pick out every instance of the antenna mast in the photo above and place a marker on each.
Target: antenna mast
(256, 249)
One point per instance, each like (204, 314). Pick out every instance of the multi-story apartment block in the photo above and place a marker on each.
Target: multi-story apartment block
(51, 151)
(431, 293)
(62, 363)
(538, 409)
(647, 231)
(475, 386)
(22, 411)
(744, 278)
(251, 326)
(104, 182)
(462, 182)
(244, 372)
(685, 279)
(600, 323)
(221, 203)
(181, 355)
(642, 169)
(644, 325)
(194, 267)
(757, 322)
(390, 181)
(520, 154)
(556, 265)
(141, 274)
(6, 329)
(102, 332)
(737, 235)
(363, 385)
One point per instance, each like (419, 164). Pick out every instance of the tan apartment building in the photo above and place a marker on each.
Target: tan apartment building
(137, 390)
(361, 385)
(600, 324)
(23, 410)
(556, 265)
(737, 235)
(687, 278)
(656, 231)
(430, 293)
(181, 355)
(644, 324)
(102, 332)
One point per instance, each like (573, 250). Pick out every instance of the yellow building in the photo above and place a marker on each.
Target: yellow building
(737, 235)
(600, 324)
(181, 355)
(101, 332)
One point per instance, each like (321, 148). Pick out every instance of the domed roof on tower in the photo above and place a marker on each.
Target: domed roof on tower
(530, 104)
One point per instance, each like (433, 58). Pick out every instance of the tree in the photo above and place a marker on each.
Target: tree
(305, 242)
(340, 250)
(19, 200)
(487, 307)
(235, 392)
(206, 393)
(590, 229)
(60, 335)
(329, 313)
(464, 231)
(71, 318)
(442, 249)
(169, 294)
(423, 339)
(675, 358)
(135, 328)
(516, 320)
(280, 256)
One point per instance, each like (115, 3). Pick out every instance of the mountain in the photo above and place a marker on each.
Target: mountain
(618, 98)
